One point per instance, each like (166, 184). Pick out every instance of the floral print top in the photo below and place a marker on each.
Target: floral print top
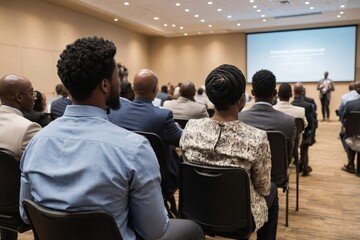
(234, 144)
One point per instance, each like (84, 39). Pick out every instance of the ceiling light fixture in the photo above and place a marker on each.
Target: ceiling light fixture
(185, 34)
(228, 16)
(165, 25)
(177, 4)
(254, 6)
(156, 18)
(338, 16)
(115, 19)
(196, 15)
(307, 3)
(173, 25)
(210, 3)
(263, 15)
(264, 20)
(219, 9)
(259, 10)
(341, 12)
(238, 24)
(210, 25)
(126, 3)
(251, 1)
(311, 8)
(187, 10)
(342, 6)
(181, 27)
(202, 20)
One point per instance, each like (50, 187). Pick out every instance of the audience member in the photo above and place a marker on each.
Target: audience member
(350, 106)
(177, 91)
(37, 114)
(185, 106)
(349, 96)
(126, 92)
(163, 94)
(315, 120)
(58, 106)
(59, 89)
(89, 163)
(307, 135)
(142, 115)
(262, 114)
(201, 97)
(325, 87)
(224, 141)
(16, 94)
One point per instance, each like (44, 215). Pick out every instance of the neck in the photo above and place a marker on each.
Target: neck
(226, 115)
(268, 100)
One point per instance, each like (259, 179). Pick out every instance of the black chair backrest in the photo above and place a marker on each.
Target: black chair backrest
(9, 193)
(352, 125)
(60, 225)
(279, 158)
(159, 149)
(216, 198)
(181, 122)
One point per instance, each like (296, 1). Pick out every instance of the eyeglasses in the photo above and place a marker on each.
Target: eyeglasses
(31, 93)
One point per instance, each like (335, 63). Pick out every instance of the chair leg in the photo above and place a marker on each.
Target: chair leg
(357, 171)
(287, 206)
(8, 235)
(297, 187)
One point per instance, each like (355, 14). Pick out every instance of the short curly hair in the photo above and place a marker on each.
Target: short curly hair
(84, 64)
(224, 86)
(263, 83)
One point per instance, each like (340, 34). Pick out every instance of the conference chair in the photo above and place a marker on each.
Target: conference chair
(299, 122)
(279, 165)
(181, 122)
(49, 224)
(217, 198)
(352, 129)
(159, 149)
(10, 219)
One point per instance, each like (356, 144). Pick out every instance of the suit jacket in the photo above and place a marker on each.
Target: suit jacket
(15, 131)
(265, 117)
(142, 115)
(309, 113)
(58, 107)
(184, 108)
(320, 87)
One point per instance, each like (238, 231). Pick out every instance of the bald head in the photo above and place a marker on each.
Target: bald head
(145, 84)
(298, 89)
(187, 90)
(17, 92)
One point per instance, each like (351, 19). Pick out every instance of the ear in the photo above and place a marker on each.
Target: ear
(105, 85)
(275, 93)
(18, 97)
(252, 92)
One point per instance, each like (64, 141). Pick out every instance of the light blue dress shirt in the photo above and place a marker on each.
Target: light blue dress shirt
(81, 161)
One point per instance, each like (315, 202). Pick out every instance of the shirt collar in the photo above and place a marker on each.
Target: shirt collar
(85, 111)
(263, 103)
(11, 109)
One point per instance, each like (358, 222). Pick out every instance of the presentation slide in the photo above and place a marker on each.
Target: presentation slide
(304, 55)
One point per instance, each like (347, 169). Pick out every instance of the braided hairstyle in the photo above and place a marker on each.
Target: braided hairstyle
(84, 64)
(224, 86)
(263, 83)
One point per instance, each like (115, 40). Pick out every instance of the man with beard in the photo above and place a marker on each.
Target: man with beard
(81, 161)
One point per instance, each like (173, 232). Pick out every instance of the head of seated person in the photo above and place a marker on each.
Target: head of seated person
(188, 90)
(285, 92)
(146, 84)
(264, 86)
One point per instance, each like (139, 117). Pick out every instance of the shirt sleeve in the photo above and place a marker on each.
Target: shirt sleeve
(172, 133)
(148, 214)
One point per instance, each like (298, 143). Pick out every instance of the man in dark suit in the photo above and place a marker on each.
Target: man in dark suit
(350, 106)
(58, 106)
(262, 115)
(312, 101)
(307, 135)
(142, 115)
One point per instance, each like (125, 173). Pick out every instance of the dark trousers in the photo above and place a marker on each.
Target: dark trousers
(304, 156)
(183, 229)
(269, 229)
(325, 106)
(8, 235)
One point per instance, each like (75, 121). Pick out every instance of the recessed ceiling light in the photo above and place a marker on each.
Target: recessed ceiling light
(177, 4)
(202, 20)
(173, 25)
(259, 10)
(263, 15)
(210, 25)
(187, 10)
(165, 25)
(341, 12)
(115, 19)
(238, 24)
(254, 6)
(219, 9)
(185, 34)
(251, 1)
(264, 20)
(311, 8)
(307, 3)
(196, 15)
(181, 27)
(338, 16)
(228, 16)
(342, 6)
(210, 3)
(126, 3)
(156, 18)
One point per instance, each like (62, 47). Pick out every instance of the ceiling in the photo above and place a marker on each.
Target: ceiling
(197, 17)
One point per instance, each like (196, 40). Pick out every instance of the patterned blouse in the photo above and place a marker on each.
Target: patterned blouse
(234, 144)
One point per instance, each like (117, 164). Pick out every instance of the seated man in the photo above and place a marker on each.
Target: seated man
(88, 163)
(307, 135)
(16, 95)
(262, 115)
(185, 106)
(142, 115)
(58, 106)
(350, 106)
(224, 141)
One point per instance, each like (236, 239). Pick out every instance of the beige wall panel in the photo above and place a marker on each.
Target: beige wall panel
(10, 60)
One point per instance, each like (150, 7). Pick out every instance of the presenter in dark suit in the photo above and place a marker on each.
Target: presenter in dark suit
(142, 115)
(262, 115)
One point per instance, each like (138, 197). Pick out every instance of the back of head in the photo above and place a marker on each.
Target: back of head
(164, 88)
(187, 90)
(200, 91)
(145, 84)
(298, 89)
(263, 83)
(285, 92)
(59, 89)
(38, 101)
(357, 87)
(126, 90)
(84, 64)
(17, 92)
(224, 86)
(352, 86)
